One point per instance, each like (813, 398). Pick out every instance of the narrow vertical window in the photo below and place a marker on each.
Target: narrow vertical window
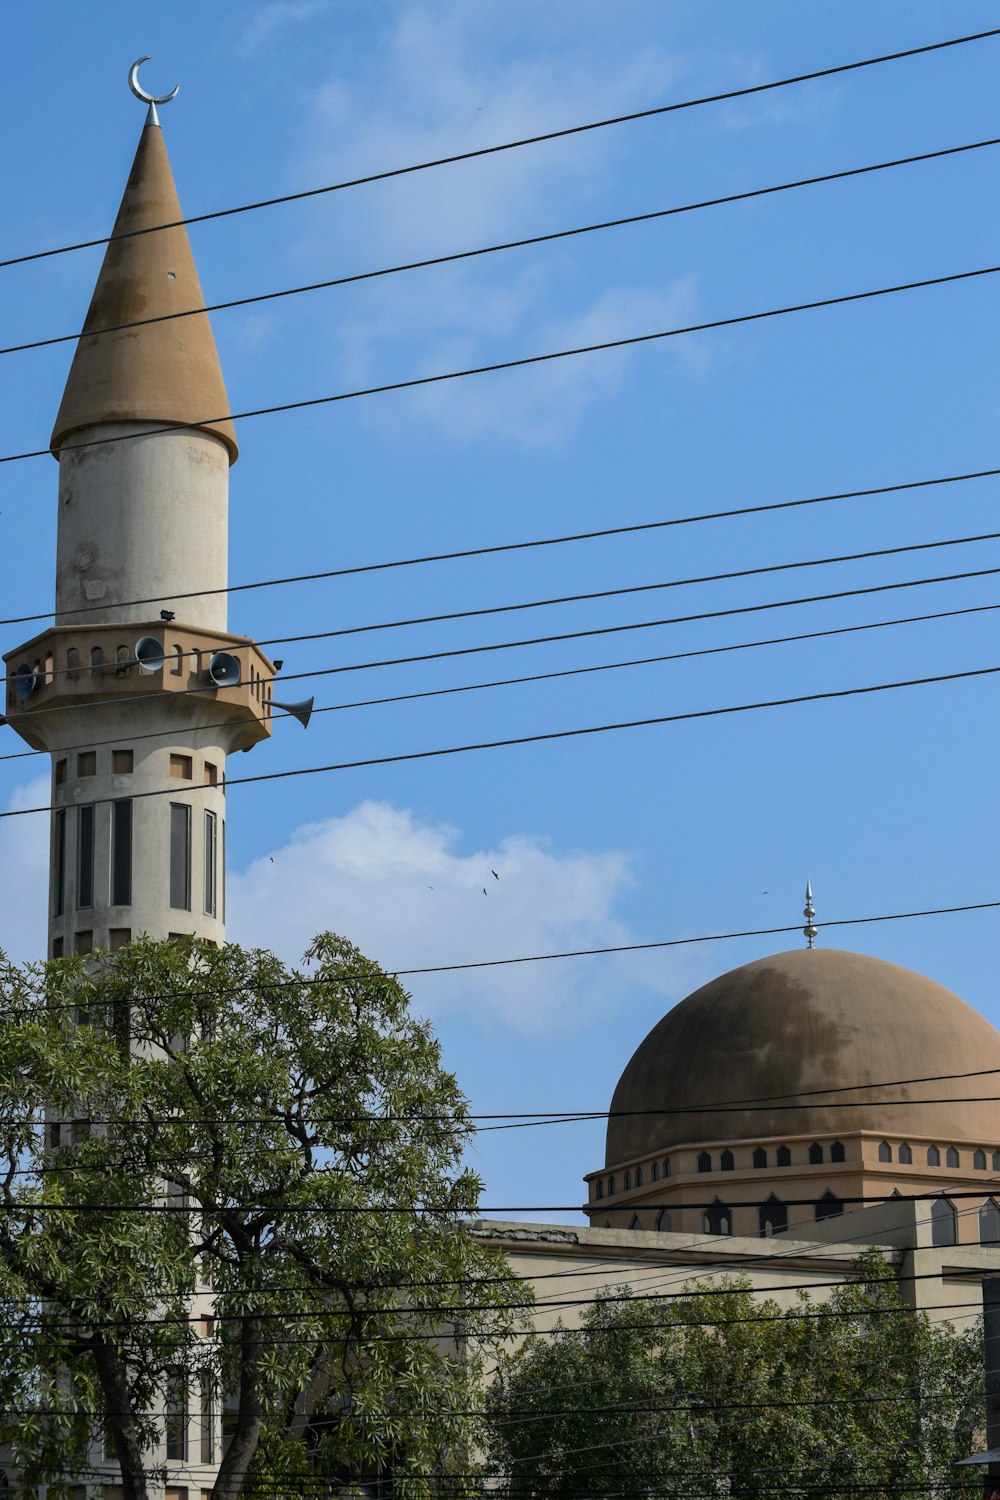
(121, 854)
(59, 864)
(176, 1418)
(222, 869)
(207, 1420)
(180, 856)
(85, 855)
(211, 825)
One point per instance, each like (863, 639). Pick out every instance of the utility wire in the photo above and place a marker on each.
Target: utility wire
(546, 736)
(501, 547)
(531, 140)
(483, 250)
(570, 635)
(472, 687)
(523, 362)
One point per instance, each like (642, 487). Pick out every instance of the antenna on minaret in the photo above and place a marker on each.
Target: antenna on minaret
(152, 118)
(810, 929)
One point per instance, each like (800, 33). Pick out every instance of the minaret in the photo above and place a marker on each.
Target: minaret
(138, 692)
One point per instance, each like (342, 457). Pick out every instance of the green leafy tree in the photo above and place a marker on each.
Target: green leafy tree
(719, 1392)
(258, 1200)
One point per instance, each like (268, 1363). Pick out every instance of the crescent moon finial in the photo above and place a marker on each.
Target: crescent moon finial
(151, 99)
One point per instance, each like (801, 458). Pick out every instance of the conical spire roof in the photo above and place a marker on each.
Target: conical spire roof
(159, 372)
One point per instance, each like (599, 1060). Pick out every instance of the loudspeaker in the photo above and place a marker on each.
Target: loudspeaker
(149, 653)
(301, 710)
(224, 669)
(26, 680)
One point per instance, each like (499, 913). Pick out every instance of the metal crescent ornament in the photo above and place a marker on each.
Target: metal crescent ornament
(140, 93)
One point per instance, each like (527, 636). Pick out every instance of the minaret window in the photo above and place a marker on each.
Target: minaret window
(60, 771)
(772, 1216)
(85, 855)
(663, 1221)
(599, 1185)
(952, 1158)
(815, 1154)
(121, 853)
(717, 1218)
(933, 1156)
(86, 763)
(122, 762)
(628, 1181)
(726, 1162)
(906, 1154)
(211, 862)
(638, 1177)
(884, 1151)
(704, 1162)
(979, 1160)
(943, 1222)
(783, 1157)
(59, 863)
(837, 1151)
(181, 767)
(759, 1156)
(828, 1207)
(83, 942)
(180, 856)
(996, 1161)
(655, 1171)
(989, 1223)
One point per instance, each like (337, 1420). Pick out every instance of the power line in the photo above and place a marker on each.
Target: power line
(547, 736)
(520, 546)
(471, 687)
(542, 640)
(523, 362)
(518, 244)
(531, 140)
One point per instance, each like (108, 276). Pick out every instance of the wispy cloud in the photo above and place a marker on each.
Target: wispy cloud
(409, 896)
(24, 844)
(268, 20)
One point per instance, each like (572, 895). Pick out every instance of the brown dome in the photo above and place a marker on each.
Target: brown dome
(795, 1023)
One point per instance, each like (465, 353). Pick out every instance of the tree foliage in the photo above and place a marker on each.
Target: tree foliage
(259, 1191)
(720, 1392)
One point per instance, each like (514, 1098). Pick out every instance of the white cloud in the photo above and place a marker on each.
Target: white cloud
(24, 856)
(402, 890)
(266, 22)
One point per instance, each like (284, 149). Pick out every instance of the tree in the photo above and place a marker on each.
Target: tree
(718, 1392)
(258, 1201)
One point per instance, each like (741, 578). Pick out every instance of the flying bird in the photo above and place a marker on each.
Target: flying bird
(495, 875)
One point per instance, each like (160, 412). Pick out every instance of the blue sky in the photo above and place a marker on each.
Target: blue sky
(886, 803)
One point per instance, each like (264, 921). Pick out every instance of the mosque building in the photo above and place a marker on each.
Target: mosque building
(778, 1121)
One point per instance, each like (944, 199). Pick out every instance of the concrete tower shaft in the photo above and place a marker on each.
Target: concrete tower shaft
(139, 712)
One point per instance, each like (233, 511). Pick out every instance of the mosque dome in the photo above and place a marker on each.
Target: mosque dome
(809, 1022)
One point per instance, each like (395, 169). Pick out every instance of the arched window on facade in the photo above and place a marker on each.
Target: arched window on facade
(815, 1154)
(636, 1222)
(638, 1177)
(666, 1166)
(759, 1156)
(655, 1171)
(906, 1154)
(628, 1181)
(979, 1160)
(884, 1151)
(663, 1221)
(72, 662)
(717, 1218)
(943, 1222)
(952, 1157)
(783, 1156)
(772, 1216)
(837, 1151)
(933, 1156)
(996, 1161)
(611, 1187)
(989, 1223)
(726, 1161)
(829, 1206)
(600, 1188)
(704, 1162)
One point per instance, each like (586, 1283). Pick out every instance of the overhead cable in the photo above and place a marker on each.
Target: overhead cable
(532, 140)
(523, 362)
(484, 250)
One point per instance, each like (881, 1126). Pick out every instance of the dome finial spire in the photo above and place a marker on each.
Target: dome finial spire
(810, 929)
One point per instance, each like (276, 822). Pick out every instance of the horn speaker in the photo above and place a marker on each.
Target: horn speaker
(26, 680)
(149, 653)
(224, 669)
(301, 710)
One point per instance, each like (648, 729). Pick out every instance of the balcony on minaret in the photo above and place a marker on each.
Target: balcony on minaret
(222, 678)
